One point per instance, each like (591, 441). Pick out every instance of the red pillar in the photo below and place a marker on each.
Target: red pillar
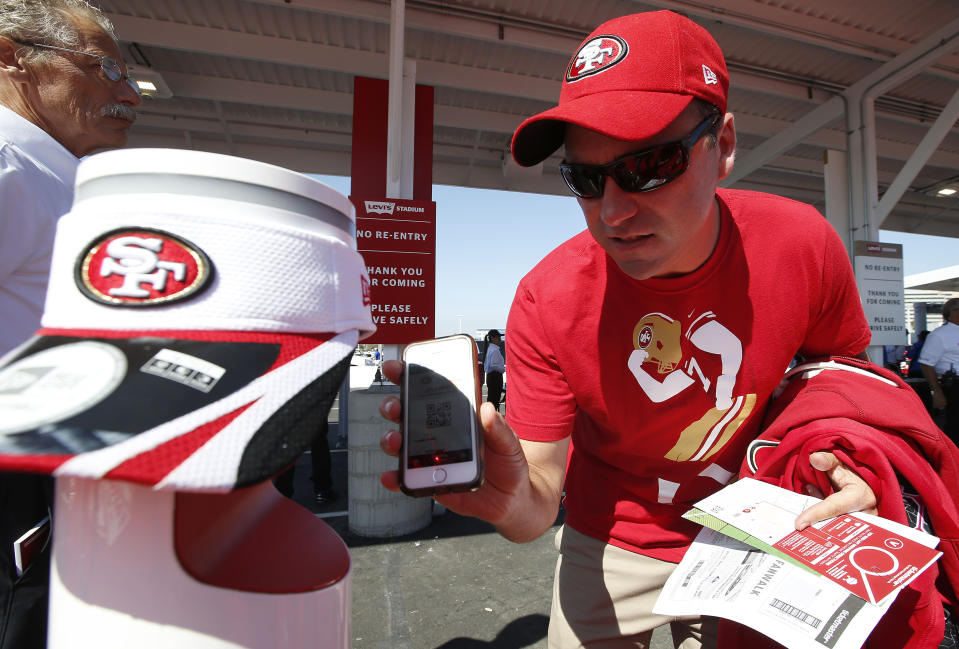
(368, 168)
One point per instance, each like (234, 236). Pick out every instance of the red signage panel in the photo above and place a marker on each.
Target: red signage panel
(397, 239)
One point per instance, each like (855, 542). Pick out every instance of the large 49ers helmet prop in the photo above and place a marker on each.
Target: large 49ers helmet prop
(201, 315)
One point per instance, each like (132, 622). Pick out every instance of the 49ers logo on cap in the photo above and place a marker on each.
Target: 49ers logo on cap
(596, 55)
(141, 267)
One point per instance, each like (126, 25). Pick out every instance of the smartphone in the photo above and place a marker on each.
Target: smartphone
(442, 437)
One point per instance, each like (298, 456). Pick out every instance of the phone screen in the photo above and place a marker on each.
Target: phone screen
(438, 419)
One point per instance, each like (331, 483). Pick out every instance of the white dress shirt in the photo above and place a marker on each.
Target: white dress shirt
(941, 349)
(493, 362)
(36, 188)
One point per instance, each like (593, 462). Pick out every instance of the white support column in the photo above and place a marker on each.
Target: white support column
(838, 213)
(836, 177)
(401, 122)
(857, 165)
(869, 228)
(409, 129)
(394, 137)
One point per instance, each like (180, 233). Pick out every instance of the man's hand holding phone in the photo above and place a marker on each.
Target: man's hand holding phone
(507, 474)
(442, 439)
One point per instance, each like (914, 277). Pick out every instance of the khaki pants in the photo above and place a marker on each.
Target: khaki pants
(603, 598)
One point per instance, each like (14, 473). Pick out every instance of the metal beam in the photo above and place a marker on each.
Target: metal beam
(827, 112)
(785, 140)
(288, 136)
(775, 21)
(303, 159)
(342, 60)
(310, 121)
(347, 60)
(259, 94)
(337, 103)
(835, 138)
(861, 121)
(250, 47)
(937, 132)
(447, 23)
(284, 51)
(781, 21)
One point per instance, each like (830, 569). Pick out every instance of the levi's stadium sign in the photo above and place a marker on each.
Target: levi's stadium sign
(397, 239)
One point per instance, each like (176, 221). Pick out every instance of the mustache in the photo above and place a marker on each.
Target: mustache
(119, 111)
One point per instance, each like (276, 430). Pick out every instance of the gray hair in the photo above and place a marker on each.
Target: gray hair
(50, 22)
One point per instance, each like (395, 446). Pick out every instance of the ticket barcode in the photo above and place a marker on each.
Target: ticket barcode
(691, 573)
(799, 614)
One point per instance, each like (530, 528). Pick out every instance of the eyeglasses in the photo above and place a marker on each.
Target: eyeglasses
(642, 171)
(111, 69)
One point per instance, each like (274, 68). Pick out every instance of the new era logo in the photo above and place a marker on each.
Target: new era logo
(189, 370)
(709, 76)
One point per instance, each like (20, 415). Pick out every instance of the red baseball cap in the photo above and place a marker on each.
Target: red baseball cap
(628, 80)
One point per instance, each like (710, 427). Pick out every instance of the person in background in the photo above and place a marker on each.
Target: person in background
(494, 366)
(914, 373)
(644, 350)
(893, 356)
(64, 93)
(915, 368)
(321, 471)
(939, 360)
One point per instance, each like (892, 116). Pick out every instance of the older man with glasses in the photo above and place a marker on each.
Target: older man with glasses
(64, 93)
(644, 350)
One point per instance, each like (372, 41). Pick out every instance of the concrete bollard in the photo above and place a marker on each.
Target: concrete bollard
(374, 511)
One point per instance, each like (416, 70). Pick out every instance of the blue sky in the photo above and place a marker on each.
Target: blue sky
(486, 240)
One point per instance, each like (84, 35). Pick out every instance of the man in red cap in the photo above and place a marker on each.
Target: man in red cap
(645, 349)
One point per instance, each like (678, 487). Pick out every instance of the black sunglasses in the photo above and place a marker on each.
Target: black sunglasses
(642, 171)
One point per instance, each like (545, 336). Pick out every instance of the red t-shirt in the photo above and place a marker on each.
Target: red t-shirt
(662, 382)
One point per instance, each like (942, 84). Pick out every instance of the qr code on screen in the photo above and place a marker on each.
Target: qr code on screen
(439, 414)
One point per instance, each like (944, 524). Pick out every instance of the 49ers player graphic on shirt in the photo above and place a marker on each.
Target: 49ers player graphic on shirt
(663, 370)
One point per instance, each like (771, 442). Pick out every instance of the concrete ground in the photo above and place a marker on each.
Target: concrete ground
(456, 584)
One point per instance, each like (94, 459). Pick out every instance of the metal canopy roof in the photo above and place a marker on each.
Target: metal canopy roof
(272, 80)
(942, 279)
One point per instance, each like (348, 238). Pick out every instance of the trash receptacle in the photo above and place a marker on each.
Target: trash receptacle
(373, 510)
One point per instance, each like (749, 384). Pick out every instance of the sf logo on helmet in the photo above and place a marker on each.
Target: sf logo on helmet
(141, 267)
(645, 337)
